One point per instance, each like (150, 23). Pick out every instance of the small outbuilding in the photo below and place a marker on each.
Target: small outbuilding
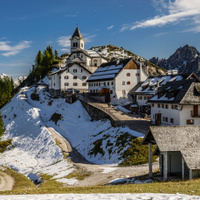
(178, 148)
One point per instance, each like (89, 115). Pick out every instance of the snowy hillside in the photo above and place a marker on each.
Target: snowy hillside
(35, 152)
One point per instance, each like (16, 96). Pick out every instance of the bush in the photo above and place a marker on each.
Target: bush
(35, 97)
(56, 117)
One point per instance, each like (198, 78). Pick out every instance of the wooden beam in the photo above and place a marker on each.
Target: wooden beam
(165, 165)
(183, 169)
(150, 160)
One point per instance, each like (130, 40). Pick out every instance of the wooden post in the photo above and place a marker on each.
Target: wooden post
(183, 169)
(165, 165)
(150, 160)
(190, 174)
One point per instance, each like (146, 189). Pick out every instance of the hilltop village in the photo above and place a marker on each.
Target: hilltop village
(171, 101)
(101, 120)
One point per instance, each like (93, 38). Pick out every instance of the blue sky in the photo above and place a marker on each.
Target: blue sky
(146, 27)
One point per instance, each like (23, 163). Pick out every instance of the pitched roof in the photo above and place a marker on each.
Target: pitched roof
(77, 33)
(153, 82)
(184, 139)
(108, 71)
(178, 92)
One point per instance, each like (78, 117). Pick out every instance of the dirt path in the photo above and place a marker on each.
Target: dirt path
(100, 174)
(6, 182)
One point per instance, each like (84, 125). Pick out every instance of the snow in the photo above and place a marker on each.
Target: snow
(35, 152)
(112, 196)
(123, 109)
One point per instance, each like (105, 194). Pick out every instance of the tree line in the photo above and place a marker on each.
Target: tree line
(6, 90)
(43, 65)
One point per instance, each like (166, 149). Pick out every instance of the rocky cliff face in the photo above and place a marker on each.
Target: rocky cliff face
(186, 59)
(114, 52)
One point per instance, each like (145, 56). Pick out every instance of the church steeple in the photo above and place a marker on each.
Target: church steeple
(77, 40)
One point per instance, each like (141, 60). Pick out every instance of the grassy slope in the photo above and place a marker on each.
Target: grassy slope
(25, 186)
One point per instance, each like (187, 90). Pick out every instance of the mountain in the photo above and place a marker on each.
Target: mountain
(186, 59)
(113, 52)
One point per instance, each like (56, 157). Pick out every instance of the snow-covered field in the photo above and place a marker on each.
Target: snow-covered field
(35, 152)
(126, 196)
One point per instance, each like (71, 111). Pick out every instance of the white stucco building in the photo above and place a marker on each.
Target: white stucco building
(143, 91)
(177, 103)
(78, 68)
(115, 79)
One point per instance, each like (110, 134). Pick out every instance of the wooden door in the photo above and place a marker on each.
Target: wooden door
(195, 110)
(158, 119)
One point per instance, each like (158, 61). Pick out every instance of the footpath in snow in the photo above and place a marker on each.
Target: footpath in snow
(124, 196)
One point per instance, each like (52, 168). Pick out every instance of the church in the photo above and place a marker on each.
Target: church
(80, 65)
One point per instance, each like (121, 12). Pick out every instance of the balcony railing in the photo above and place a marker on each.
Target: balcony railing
(195, 114)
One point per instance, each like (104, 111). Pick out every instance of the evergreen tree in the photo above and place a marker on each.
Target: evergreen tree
(56, 55)
(38, 59)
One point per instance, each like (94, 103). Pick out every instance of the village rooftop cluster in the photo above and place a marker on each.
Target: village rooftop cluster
(171, 99)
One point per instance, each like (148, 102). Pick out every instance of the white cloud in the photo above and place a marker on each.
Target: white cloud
(89, 38)
(110, 27)
(177, 11)
(64, 41)
(13, 50)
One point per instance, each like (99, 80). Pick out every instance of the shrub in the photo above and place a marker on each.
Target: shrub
(55, 117)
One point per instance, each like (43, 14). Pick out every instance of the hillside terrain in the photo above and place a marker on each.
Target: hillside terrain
(114, 52)
(186, 59)
(32, 116)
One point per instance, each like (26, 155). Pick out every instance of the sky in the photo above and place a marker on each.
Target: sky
(148, 28)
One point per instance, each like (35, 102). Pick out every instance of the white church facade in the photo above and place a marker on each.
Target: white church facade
(79, 67)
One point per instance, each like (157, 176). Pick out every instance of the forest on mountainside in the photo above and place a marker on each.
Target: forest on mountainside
(6, 90)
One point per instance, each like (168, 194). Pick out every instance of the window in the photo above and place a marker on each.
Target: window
(108, 83)
(82, 45)
(152, 105)
(75, 77)
(95, 63)
(139, 97)
(172, 106)
(74, 70)
(172, 120)
(112, 83)
(84, 77)
(137, 74)
(84, 84)
(104, 83)
(145, 97)
(166, 106)
(190, 121)
(166, 119)
(158, 105)
(99, 84)
(59, 77)
(81, 70)
(163, 119)
(75, 44)
(89, 84)
(90, 91)
(128, 74)
(123, 91)
(96, 84)
(123, 82)
(81, 56)
(162, 105)
(128, 82)
(176, 107)
(111, 92)
(75, 84)
(66, 77)
(66, 84)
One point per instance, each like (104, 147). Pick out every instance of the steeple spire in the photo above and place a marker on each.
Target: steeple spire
(77, 40)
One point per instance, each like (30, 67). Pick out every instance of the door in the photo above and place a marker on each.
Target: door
(195, 110)
(158, 119)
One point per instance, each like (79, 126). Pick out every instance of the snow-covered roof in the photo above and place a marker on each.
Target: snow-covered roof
(108, 71)
(179, 92)
(151, 84)
(93, 53)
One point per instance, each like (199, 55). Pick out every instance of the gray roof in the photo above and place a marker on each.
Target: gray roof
(185, 139)
(108, 71)
(151, 84)
(178, 92)
(77, 34)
